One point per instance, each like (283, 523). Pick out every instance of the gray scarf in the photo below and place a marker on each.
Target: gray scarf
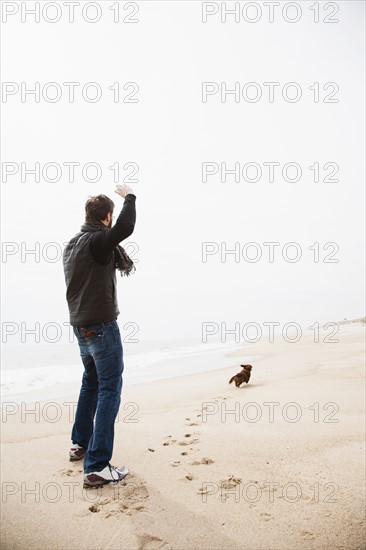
(123, 262)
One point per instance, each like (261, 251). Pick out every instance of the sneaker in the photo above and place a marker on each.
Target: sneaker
(110, 474)
(77, 452)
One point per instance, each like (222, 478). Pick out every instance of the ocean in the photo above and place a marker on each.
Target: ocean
(40, 372)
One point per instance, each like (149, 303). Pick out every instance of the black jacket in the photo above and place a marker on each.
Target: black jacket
(90, 269)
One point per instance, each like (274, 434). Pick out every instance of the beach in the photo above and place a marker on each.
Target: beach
(275, 464)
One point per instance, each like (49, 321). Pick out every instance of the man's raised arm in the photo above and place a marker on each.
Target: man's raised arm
(105, 241)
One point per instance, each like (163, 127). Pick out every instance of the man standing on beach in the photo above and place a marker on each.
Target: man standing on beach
(90, 261)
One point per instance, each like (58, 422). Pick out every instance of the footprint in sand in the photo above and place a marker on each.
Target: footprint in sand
(230, 482)
(188, 442)
(72, 473)
(176, 463)
(150, 542)
(125, 509)
(204, 460)
(127, 498)
(266, 517)
(94, 508)
(193, 424)
(169, 442)
(182, 442)
(201, 409)
(307, 535)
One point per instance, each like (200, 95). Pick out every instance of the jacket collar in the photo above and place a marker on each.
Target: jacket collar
(93, 226)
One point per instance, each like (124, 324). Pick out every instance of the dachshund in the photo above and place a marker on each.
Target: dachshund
(242, 376)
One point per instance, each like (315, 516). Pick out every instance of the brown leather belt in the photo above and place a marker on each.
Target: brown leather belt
(88, 333)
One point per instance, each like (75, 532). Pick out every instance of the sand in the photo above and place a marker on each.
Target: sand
(283, 470)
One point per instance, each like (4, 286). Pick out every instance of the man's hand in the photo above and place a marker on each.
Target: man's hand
(123, 190)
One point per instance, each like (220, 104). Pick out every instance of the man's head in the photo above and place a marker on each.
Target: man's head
(99, 209)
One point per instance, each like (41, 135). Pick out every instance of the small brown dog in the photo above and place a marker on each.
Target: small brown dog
(242, 376)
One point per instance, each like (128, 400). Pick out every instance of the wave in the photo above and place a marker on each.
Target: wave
(164, 362)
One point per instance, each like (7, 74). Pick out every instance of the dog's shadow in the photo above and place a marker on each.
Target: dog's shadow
(248, 386)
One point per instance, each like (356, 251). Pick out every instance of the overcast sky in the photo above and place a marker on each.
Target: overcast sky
(169, 133)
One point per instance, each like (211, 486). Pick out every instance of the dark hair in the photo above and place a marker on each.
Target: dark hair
(97, 208)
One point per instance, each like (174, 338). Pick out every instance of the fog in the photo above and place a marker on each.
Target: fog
(176, 124)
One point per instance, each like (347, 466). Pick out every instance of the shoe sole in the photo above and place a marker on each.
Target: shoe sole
(74, 458)
(98, 484)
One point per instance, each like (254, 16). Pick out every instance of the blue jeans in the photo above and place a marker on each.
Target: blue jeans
(100, 394)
